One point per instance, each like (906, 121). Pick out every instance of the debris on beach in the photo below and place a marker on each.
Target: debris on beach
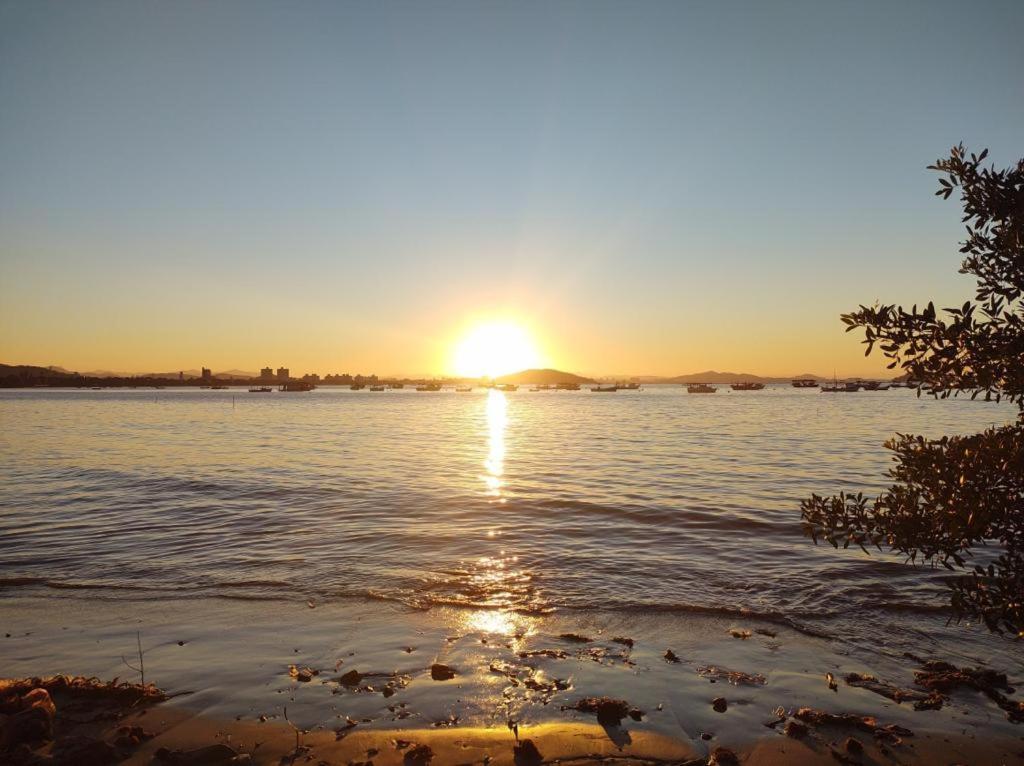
(741, 633)
(32, 711)
(527, 754)
(624, 641)
(441, 672)
(303, 674)
(735, 677)
(766, 632)
(671, 656)
(942, 677)
(575, 638)
(555, 654)
(609, 711)
(720, 704)
(922, 701)
(832, 683)
(418, 755)
(889, 732)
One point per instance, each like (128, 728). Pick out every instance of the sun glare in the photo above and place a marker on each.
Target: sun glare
(495, 349)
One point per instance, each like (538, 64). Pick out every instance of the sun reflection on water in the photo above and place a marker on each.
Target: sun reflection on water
(494, 464)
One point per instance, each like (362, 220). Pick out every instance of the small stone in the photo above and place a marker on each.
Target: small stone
(441, 672)
(853, 746)
(351, 678)
(671, 656)
(719, 704)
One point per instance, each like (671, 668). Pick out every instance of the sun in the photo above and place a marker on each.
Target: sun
(493, 349)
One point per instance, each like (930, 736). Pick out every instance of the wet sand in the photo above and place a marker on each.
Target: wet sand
(233, 668)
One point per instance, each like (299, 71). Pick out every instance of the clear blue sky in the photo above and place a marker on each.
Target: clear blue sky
(649, 187)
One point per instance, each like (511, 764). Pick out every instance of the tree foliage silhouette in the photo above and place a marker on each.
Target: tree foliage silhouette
(953, 495)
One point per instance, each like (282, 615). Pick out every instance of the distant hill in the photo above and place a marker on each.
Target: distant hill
(713, 376)
(542, 377)
(28, 370)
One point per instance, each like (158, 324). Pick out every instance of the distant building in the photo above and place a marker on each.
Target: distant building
(207, 375)
(181, 375)
(283, 373)
(311, 378)
(267, 373)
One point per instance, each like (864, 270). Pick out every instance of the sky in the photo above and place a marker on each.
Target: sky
(643, 188)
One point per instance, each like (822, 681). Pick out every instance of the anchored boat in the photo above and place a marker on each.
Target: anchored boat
(700, 388)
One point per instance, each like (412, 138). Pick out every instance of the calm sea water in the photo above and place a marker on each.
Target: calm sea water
(649, 500)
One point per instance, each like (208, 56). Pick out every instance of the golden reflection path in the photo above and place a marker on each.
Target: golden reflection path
(494, 465)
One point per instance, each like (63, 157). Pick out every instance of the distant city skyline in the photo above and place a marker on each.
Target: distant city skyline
(651, 188)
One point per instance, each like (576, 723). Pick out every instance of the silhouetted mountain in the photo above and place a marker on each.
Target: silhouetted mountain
(542, 377)
(28, 370)
(713, 376)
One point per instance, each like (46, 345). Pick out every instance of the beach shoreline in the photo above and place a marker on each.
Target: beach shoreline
(233, 668)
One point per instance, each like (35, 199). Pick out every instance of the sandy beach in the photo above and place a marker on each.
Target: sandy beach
(365, 682)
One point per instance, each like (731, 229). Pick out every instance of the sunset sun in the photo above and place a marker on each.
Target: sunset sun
(494, 349)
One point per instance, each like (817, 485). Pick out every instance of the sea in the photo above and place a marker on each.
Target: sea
(527, 502)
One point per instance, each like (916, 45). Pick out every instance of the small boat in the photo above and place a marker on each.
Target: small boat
(567, 387)
(429, 387)
(507, 387)
(700, 388)
(296, 386)
(840, 388)
(747, 386)
(398, 385)
(604, 389)
(464, 389)
(628, 386)
(260, 390)
(357, 386)
(376, 388)
(219, 388)
(804, 383)
(874, 385)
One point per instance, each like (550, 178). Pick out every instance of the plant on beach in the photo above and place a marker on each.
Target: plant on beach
(951, 495)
